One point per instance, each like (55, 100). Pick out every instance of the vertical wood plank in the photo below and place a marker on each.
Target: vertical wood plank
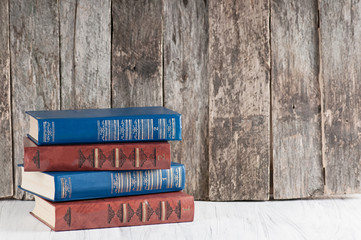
(341, 89)
(85, 36)
(186, 86)
(34, 47)
(296, 100)
(6, 170)
(137, 66)
(239, 105)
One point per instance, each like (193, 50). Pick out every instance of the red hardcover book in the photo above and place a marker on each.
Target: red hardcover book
(91, 157)
(115, 212)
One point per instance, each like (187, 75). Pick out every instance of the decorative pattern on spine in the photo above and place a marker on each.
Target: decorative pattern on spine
(116, 212)
(90, 157)
(36, 159)
(67, 217)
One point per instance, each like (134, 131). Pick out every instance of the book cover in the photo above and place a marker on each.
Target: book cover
(80, 185)
(104, 125)
(116, 212)
(96, 157)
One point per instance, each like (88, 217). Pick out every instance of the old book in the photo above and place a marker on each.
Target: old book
(115, 212)
(96, 157)
(80, 185)
(104, 125)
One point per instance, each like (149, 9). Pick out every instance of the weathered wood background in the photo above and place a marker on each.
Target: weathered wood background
(270, 91)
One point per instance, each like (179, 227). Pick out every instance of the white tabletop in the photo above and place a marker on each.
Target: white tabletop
(333, 218)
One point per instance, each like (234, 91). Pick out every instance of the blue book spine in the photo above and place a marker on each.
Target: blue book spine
(110, 129)
(102, 184)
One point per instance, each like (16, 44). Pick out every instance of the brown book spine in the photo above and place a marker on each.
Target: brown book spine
(92, 157)
(124, 211)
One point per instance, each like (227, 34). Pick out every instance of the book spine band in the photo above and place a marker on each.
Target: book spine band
(92, 130)
(179, 208)
(127, 156)
(118, 183)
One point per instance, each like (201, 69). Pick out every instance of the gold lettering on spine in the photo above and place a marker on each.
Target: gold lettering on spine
(141, 181)
(96, 158)
(138, 128)
(124, 213)
(163, 211)
(62, 188)
(130, 129)
(119, 180)
(152, 130)
(130, 182)
(122, 182)
(137, 157)
(152, 176)
(161, 179)
(138, 181)
(144, 212)
(112, 182)
(148, 179)
(168, 178)
(157, 180)
(179, 177)
(148, 128)
(171, 177)
(127, 182)
(117, 157)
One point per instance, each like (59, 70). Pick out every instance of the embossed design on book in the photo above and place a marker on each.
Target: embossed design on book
(111, 213)
(164, 210)
(36, 159)
(125, 213)
(138, 157)
(178, 209)
(144, 211)
(117, 158)
(67, 217)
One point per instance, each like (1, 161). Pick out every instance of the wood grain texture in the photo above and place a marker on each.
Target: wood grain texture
(137, 66)
(239, 106)
(186, 87)
(34, 46)
(341, 77)
(85, 36)
(296, 100)
(6, 170)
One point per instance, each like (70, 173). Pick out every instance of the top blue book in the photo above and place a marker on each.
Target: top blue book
(104, 125)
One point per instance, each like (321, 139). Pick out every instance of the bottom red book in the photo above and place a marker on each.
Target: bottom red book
(159, 208)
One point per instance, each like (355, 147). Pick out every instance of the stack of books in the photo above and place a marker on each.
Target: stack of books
(105, 168)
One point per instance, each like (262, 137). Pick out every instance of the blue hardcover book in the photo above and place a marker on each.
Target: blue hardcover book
(69, 186)
(104, 125)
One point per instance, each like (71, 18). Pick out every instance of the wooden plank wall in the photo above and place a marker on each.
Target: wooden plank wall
(268, 89)
(6, 170)
(137, 49)
(186, 86)
(34, 47)
(85, 53)
(239, 94)
(296, 100)
(341, 88)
